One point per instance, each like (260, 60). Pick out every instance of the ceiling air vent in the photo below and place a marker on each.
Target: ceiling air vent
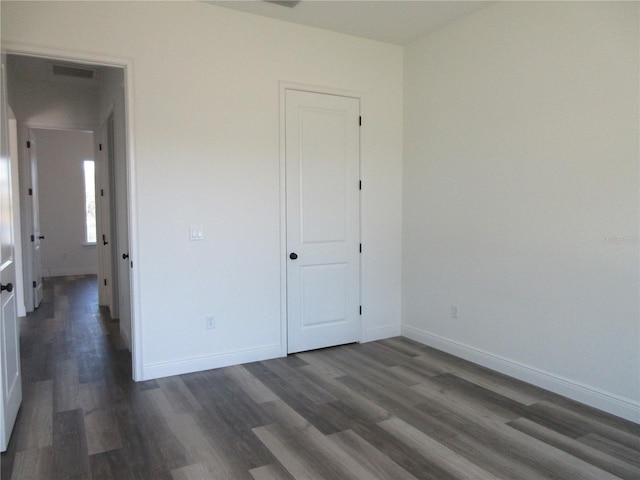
(284, 3)
(73, 72)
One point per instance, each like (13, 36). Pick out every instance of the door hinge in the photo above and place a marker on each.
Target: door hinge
(34, 284)
(360, 121)
(28, 144)
(100, 146)
(360, 185)
(33, 238)
(360, 309)
(31, 191)
(102, 192)
(105, 282)
(360, 248)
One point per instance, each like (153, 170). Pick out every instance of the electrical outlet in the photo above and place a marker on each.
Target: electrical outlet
(210, 322)
(454, 311)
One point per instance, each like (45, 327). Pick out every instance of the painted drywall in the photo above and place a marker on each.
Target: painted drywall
(521, 195)
(61, 185)
(205, 119)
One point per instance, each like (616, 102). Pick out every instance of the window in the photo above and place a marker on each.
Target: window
(90, 201)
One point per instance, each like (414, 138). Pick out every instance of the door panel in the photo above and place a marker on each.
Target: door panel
(10, 385)
(322, 161)
(332, 307)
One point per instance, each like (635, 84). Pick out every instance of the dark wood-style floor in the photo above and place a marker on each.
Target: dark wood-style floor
(392, 409)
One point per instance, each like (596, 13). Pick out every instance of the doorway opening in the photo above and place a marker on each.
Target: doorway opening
(71, 115)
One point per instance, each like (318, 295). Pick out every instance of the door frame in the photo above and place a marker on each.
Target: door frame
(127, 65)
(284, 86)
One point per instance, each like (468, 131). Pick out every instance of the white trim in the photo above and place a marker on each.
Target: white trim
(64, 272)
(283, 87)
(127, 64)
(380, 333)
(58, 126)
(592, 396)
(209, 362)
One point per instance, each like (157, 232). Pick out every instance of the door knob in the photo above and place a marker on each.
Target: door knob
(8, 287)
(293, 256)
(125, 256)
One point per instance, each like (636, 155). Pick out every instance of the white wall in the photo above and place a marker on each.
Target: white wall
(521, 195)
(206, 128)
(61, 186)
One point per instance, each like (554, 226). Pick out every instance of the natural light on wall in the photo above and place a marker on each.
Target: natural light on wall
(90, 200)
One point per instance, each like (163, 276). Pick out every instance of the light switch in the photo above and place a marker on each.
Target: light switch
(196, 233)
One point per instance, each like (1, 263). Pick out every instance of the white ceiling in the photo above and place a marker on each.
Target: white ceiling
(392, 21)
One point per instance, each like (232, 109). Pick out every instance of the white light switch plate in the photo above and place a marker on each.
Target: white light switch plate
(196, 233)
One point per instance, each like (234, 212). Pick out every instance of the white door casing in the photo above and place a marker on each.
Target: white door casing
(322, 163)
(10, 384)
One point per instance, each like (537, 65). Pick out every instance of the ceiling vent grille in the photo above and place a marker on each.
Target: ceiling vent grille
(73, 72)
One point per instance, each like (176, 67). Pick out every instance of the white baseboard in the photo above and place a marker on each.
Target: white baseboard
(208, 362)
(67, 272)
(594, 397)
(380, 333)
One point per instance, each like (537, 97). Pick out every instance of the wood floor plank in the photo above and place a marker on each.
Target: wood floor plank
(464, 398)
(577, 425)
(32, 464)
(102, 431)
(307, 453)
(251, 385)
(512, 389)
(197, 471)
(66, 385)
(496, 447)
(402, 345)
(579, 450)
(270, 472)
(70, 454)
(608, 446)
(434, 451)
(377, 464)
(181, 399)
(358, 405)
(34, 426)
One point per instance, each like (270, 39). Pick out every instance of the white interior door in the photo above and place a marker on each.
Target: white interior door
(10, 385)
(36, 235)
(104, 222)
(120, 221)
(322, 162)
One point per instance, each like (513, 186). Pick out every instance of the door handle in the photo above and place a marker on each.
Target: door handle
(293, 256)
(8, 287)
(125, 256)
(104, 239)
